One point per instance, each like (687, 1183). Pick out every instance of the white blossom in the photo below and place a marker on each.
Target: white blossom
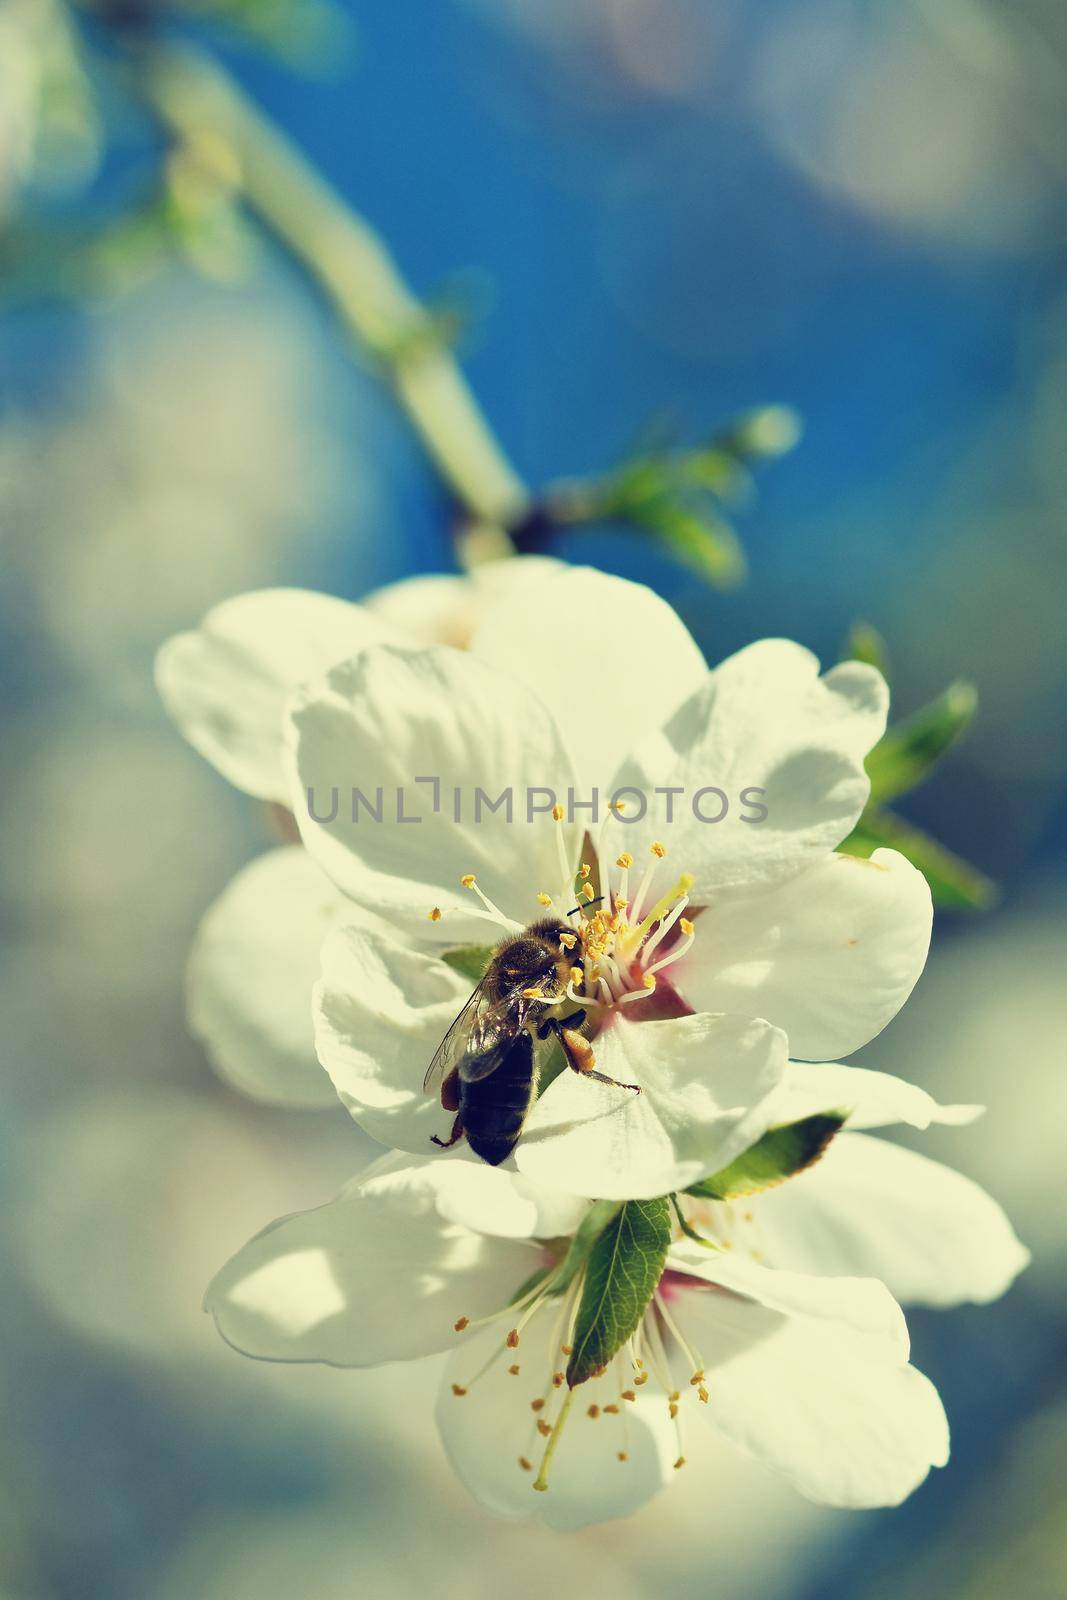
(780, 1338)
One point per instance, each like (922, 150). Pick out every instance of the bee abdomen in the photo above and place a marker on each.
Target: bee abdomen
(493, 1108)
(493, 1149)
(490, 1116)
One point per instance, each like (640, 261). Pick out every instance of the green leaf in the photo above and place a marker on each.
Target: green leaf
(699, 537)
(470, 960)
(780, 1154)
(907, 752)
(865, 643)
(954, 883)
(624, 1268)
(677, 497)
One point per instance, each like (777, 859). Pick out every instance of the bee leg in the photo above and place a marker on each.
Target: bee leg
(602, 1077)
(578, 1050)
(580, 1059)
(554, 1025)
(454, 1137)
(450, 1091)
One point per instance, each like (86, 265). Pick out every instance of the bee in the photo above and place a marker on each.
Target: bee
(487, 1059)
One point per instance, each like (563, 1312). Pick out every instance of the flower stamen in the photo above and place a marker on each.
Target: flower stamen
(554, 1433)
(469, 881)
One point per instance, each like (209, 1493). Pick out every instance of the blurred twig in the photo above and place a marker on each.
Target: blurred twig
(205, 110)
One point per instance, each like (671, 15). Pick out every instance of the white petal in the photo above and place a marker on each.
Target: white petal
(839, 1412)
(764, 720)
(872, 1099)
(705, 1086)
(252, 970)
(226, 684)
(501, 1202)
(393, 716)
(446, 608)
(487, 1430)
(381, 1009)
(432, 608)
(376, 1275)
(612, 659)
(830, 957)
(931, 1234)
(859, 1303)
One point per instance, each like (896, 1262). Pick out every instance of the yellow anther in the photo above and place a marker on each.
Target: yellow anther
(673, 1409)
(702, 1395)
(458, 1390)
(533, 994)
(567, 1349)
(625, 860)
(617, 805)
(468, 880)
(698, 1377)
(464, 1322)
(628, 1394)
(686, 927)
(648, 981)
(567, 941)
(577, 974)
(586, 892)
(642, 1377)
(679, 1463)
(557, 813)
(584, 870)
(658, 849)
(434, 915)
(544, 899)
(674, 1395)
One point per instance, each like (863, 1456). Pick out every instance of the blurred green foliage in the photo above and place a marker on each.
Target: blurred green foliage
(902, 759)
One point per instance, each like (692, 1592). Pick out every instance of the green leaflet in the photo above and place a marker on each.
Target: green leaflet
(954, 883)
(904, 756)
(624, 1268)
(695, 535)
(470, 960)
(865, 643)
(680, 497)
(780, 1154)
(896, 765)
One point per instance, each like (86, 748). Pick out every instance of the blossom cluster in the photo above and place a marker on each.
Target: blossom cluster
(693, 1221)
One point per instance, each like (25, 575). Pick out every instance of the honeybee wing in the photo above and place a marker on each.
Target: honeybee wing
(473, 1068)
(476, 1034)
(455, 1041)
